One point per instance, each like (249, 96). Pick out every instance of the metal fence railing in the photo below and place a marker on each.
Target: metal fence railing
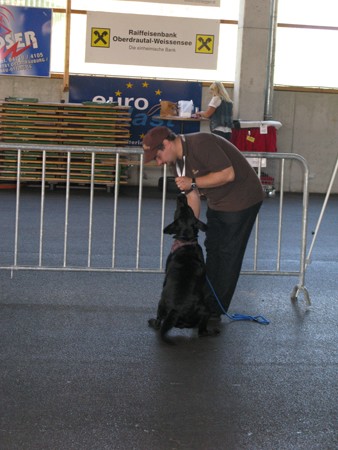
(89, 230)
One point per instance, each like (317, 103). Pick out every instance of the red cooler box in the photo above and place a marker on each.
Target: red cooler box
(257, 136)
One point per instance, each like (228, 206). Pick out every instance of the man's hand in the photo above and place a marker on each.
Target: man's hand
(183, 183)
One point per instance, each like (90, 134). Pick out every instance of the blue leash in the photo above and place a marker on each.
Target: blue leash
(259, 319)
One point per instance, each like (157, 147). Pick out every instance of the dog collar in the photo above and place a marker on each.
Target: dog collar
(178, 244)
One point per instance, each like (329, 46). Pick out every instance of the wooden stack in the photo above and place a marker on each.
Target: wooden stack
(43, 124)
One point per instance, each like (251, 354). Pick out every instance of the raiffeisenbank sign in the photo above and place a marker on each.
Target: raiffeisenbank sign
(159, 41)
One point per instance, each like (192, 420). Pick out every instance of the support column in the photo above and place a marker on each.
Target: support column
(252, 59)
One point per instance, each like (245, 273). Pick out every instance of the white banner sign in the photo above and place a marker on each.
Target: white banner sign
(152, 41)
(186, 2)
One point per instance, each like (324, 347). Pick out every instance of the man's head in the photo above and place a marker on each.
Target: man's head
(153, 142)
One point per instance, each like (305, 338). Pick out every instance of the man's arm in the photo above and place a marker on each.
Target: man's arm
(194, 202)
(213, 179)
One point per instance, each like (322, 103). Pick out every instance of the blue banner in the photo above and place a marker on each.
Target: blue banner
(142, 96)
(25, 38)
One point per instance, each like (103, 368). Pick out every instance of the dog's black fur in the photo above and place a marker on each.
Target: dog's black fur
(182, 303)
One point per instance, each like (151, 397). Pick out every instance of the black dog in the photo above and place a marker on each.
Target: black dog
(182, 303)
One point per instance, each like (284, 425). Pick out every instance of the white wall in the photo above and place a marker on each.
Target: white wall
(45, 89)
(310, 128)
(309, 125)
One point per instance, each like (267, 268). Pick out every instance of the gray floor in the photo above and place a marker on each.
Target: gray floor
(80, 369)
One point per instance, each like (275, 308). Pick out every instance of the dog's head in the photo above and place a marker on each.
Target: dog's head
(185, 225)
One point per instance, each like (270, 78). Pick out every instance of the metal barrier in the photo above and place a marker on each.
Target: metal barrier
(47, 235)
(279, 183)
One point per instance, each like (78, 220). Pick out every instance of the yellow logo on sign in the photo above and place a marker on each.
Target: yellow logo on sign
(100, 37)
(205, 43)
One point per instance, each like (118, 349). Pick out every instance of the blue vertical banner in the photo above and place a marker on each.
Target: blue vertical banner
(25, 40)
(142, 96)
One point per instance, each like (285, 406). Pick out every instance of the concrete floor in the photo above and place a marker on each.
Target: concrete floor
(80, 369)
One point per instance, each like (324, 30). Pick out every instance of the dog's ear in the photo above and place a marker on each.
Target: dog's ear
(171, 228)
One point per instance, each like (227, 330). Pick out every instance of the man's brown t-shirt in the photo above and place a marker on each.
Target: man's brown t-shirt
(207, 152)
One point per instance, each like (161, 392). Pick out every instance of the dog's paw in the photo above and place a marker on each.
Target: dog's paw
(213, 332)
(154, 323)
(167, 340)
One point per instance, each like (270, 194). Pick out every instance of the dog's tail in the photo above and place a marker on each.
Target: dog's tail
(168, 323)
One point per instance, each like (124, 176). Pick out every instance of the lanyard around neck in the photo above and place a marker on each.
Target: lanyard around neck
(180, 173)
